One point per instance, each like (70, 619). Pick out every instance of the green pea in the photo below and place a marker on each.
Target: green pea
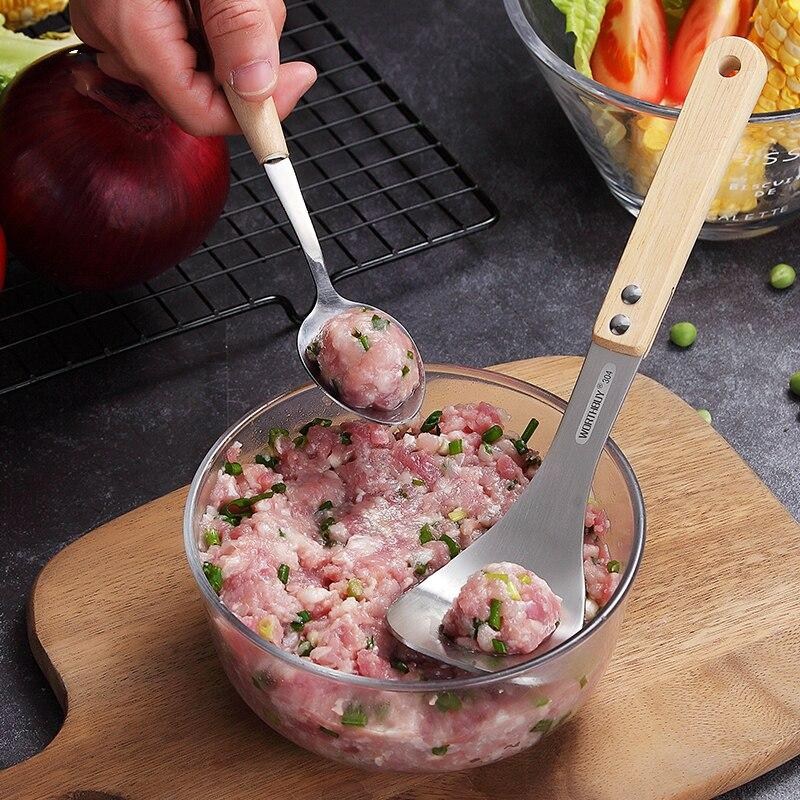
(794, 383)
(782, 276)
(682, 334)
(705, 415)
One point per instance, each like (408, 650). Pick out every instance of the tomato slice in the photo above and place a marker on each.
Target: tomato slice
(632, 49)
(705, 21)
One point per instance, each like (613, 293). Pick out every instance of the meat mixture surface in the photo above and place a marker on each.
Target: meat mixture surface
(368, 359)
(309, 541)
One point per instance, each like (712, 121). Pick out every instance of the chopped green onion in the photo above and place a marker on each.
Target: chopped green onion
(457, 514)
(345, 438)
(426, 534)
(355, 588)
(476, 625)
(525, 578)
(214, 576)
(492, 434)
(370, 643)
(420, 569)
(405, 370)
(410, 355)
(302, 617)
(487, 448)
(495, 621)
(513, 593)
(542, 726)
(520, 446)
(314, 348)
(399, 665)
(499, 646)
(325, 505)
(613, 566)
(583, 681)
(417, 482)
(300, 441)
(326, 523)
(281, 534)
(355, 716)
(440, 750)
(431, 422)
(232, 468)
(530, 428)
(448, 701)
(283, 574)
(211, 537)
(267, 461)
(329, 732)
(275, 434)
(265, 629)
(363, 338)
(231, 519)
(511, 485)
(321, 421)
(278, 488)
(452, 546)
(541, 701)
(304, 648)
(379, 323)
(455, 447)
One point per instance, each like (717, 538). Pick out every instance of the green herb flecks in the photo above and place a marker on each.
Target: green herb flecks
(495, 620)
(530, 428)
(232, 468)
(283, 574)
(211, 537)
(213, 575)
(355, 716)
(492, 434)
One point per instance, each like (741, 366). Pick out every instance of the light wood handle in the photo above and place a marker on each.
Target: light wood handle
(260, 125)
(708, 129)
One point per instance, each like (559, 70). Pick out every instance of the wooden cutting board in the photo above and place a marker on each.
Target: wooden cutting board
(703, 692)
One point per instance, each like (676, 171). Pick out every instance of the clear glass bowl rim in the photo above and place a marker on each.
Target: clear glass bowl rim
(556, 64)
(432, 372)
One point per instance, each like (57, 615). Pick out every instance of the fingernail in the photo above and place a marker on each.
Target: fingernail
(254, 78)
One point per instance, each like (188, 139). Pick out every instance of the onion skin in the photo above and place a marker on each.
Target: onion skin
(99, 189)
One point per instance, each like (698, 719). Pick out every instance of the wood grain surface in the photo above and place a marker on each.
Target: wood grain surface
(725, 88)
(703, 691)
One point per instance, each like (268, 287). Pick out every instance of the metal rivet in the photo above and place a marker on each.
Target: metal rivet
(631, 294)
(620, 324)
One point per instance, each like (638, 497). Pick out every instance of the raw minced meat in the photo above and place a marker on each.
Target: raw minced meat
(503, 609)
(324, 529)
(368, 359)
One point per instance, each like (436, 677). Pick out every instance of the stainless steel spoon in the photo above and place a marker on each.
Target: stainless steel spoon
(543, 530)
(262, 129)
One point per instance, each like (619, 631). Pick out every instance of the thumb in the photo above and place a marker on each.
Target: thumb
(243, 40)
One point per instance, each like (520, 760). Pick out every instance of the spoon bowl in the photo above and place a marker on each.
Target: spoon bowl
(329, 302)
(329, 305)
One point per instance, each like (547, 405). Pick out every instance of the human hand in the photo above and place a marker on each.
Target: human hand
(145, 42)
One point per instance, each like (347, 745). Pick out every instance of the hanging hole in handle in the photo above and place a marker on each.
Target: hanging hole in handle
(729, 66)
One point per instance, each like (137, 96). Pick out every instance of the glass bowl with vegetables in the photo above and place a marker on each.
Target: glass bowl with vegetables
(620, 70)
(303, 523)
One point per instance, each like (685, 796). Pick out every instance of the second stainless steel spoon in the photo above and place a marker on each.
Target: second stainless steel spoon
(543, 530)
(262, 129)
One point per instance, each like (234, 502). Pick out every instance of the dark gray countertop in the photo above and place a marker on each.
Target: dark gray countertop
(85, 447)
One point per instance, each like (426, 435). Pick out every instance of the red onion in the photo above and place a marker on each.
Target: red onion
(99, 189)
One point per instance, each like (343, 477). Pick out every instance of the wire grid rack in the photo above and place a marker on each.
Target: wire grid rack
(379, 185)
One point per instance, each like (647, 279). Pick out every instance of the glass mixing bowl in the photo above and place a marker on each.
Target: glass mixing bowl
(625, 137)
(430, 726)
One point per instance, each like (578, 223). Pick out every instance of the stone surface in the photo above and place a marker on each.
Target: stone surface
(85, 447)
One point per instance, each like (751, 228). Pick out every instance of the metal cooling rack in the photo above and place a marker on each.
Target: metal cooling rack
(379, 185)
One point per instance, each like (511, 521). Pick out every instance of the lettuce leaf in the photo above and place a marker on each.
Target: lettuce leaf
(674, 9)
(583, 20)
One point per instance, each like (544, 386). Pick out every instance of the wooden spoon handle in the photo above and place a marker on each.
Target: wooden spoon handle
(261, 127)
(728, 82)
